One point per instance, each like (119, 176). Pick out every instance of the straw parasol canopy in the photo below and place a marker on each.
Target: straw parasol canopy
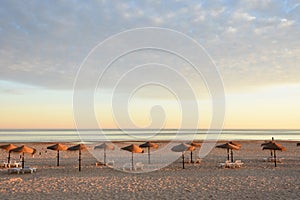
(194, 144)
(23, 149)
(275, 147)
(235, 144)
(58, 147)
(265, 143)
(149, 145)
(133, 148)
(229, 146)
(105, 147)
(8, 147)
(183, 148)
(79, 148)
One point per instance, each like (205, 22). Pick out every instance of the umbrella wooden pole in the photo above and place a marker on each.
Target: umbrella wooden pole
(228, 154)
(148, 155)
(272, 150)
(79, 159)
(231, 151)
(271, 153)
(132, 161)
(23, 162)
(191, 156)
(104, 155)
(275, 158)
(182, 160)
(57, 157)
(8, 158)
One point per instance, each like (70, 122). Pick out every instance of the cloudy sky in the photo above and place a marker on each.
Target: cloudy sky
(254, 44)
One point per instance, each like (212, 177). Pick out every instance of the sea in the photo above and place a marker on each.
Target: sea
(94, 135)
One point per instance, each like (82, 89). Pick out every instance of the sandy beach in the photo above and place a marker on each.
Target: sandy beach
(256, 179)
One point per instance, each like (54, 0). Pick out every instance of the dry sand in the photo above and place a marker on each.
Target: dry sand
(257, 179)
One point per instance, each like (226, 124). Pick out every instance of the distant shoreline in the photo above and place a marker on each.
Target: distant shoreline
(155, 141)
(136, 135)
(141, 129)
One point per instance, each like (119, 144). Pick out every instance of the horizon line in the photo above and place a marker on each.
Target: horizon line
(138, 129)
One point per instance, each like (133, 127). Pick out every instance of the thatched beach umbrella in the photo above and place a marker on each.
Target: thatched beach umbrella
(133, 148)
(8, 147)
(183, 148)
(105, 147)
(58, 147)
(274, 146)
(194, 144)
(267, 142)
(149, 145)
(23, 149)
(230, 147)
(79, 148)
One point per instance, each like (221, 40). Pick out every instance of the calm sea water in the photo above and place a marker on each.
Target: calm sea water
(143, 135)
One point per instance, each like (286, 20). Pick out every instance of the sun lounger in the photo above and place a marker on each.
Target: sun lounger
(139, 166)
(27, 170)
(231, 165)
(10, 165)
(238, 163)
(198, 160)
(14, 170)
(127, 167)
(3, 165)
(224, 165)
(279, 160)
(100, 163)
(221, 165)
(271, 159)
(15, 164)
(110, 163)
(268, 159)
(6, 165)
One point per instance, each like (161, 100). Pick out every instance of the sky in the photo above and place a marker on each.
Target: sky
(253, 44)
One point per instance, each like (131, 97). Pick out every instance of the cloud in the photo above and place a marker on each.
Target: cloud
(286, 23)
(43, 44)
(242, 16)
